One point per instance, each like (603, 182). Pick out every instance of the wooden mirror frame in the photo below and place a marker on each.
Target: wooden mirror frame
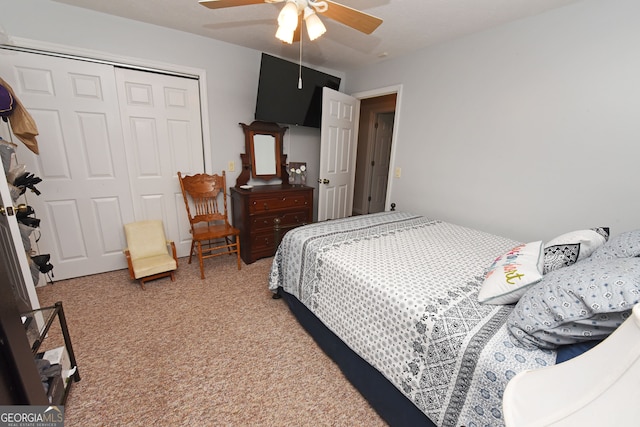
(248, 158)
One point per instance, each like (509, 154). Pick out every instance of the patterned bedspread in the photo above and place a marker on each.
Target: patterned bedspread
(401, 291)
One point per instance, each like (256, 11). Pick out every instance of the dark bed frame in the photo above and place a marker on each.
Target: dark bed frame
(382, 395)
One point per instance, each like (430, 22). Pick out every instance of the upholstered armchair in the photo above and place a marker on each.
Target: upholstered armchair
(147, 252)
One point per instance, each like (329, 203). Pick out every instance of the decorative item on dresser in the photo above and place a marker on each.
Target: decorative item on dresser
(264, 213)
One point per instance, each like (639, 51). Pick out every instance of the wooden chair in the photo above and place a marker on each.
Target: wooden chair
(211, 232)
(147, 251)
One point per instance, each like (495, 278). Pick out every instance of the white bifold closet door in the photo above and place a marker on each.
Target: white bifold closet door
(163, 135)
(111, 142)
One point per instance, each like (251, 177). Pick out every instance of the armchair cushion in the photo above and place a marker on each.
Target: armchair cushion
(143, 267)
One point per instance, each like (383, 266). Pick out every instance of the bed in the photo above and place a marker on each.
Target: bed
(393, 299)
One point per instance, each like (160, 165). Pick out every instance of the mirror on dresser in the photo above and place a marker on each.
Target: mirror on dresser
(265, 212)
(263, 159)
(265, 153)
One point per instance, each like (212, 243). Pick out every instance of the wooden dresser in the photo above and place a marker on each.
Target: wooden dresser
(265, 213)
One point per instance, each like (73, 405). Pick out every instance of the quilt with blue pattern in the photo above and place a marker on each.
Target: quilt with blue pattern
(401, 290)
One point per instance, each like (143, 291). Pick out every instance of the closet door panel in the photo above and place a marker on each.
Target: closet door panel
(65, 215)
(94, 134)
(163, 135)
(107, 212)
(85, 193)
(111, 142)
(53, 163)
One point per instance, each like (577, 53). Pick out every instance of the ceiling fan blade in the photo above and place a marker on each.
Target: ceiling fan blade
(219, 4)
(351, 17)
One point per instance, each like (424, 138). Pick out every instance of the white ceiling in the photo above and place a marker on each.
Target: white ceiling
(408, 25)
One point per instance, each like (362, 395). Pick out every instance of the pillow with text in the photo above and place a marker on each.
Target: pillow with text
(511, 274)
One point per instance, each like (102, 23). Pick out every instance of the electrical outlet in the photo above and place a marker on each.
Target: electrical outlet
(231, 166)
(398, 172)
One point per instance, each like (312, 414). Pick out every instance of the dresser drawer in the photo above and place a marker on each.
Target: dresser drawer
(285, 201)
(267, 221)
(264, 242)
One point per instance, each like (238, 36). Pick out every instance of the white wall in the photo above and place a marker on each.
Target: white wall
(302, 144)
(231, 71)
(528, 130)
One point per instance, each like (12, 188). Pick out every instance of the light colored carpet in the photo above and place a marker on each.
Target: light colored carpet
(213, 352)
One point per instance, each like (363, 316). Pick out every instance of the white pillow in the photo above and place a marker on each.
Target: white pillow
(572, 247)
(512, 273)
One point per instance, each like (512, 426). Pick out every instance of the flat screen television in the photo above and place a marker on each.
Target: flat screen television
(279, 99)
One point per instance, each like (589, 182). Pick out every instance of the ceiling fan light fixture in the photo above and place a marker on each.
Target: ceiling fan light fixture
(288, 16)
(315, 27)
(285, 34)
(319, 6)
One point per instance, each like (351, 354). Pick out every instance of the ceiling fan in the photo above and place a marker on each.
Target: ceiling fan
(296, 10)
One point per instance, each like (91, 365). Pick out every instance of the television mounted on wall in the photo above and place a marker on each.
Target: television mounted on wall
(280, 100)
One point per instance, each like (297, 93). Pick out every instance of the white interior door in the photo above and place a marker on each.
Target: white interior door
(381, 156)
(14, 258)
(163, 135)
(85, 194)
(338, 145)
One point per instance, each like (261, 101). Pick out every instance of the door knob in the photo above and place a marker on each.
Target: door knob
(323, 181)
(12, 210)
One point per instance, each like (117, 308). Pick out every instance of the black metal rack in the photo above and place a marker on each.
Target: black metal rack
(37, 325)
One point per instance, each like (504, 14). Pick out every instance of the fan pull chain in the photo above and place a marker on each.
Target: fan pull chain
(300, 62)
